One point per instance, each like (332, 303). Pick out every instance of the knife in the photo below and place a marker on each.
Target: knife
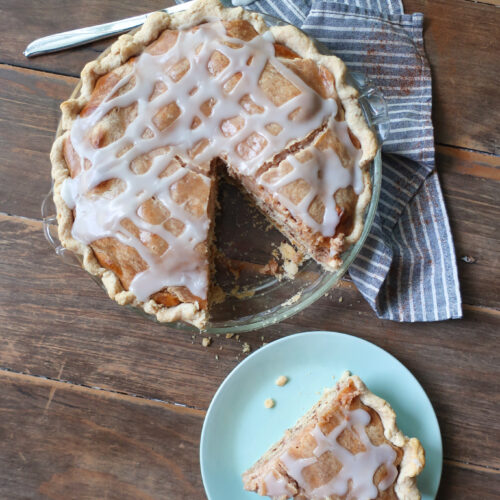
(82, 36)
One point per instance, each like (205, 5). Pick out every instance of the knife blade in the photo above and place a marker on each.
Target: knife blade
(82, 36)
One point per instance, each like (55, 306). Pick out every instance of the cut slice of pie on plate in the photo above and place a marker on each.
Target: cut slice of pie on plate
(134, 167)
(347, 446)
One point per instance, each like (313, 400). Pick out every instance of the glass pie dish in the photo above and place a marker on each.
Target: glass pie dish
(252, 297)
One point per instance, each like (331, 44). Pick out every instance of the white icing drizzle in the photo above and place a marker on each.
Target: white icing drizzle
(325, 175)
(358, 468)
(294, 467)
(101, 217)
(275, 486)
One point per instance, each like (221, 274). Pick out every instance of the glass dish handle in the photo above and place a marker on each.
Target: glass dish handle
(49, 221)
(374, 104)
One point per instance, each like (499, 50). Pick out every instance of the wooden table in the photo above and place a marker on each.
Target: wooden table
(98, 402)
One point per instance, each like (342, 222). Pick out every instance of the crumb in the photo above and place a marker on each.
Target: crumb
(181, 445)
(241, 293)
(262, 337)
(237, 337)
(290, 255)
(293, 299)
(246, 348)
(234, 270)
(269, 403)
(468, 259)
(206, 341)
(281, 380)
(229, 335)
(217, 357)
(287, 251)
(218, 295)
(271, 268)
(264, 343)
(290, 268)
(220, 348)
(341, 298)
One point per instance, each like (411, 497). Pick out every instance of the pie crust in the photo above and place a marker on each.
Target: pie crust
(319, 227)
(326, 454)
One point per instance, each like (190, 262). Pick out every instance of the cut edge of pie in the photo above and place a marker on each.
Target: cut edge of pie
(128, 46)
(349, 392)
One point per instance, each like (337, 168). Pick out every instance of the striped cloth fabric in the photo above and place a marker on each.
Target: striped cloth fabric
(407, 268)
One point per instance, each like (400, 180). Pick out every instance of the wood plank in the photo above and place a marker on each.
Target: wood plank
(62, 442)
(470, 184)
(57, 323)
(467, 483)
(83, 443)
(466, 162)
(462, 48)
(462, 43)
(29, 114)
(489, 2)
(31, 20)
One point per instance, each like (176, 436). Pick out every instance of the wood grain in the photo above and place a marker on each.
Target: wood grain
(60, 442)
(470, 183)
(466, 162)
(83, 444)
(29, 113)
(458, 482)
(58, 323)
(30, 20)
(489, 2)
(462, 49)
(462, 43)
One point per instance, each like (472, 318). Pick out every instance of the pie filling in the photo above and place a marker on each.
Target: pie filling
(141, 154)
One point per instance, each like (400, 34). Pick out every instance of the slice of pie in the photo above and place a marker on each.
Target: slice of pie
(347, 446)
(134, 168)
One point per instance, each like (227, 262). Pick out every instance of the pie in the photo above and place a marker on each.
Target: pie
(135, 168)
(347, 446)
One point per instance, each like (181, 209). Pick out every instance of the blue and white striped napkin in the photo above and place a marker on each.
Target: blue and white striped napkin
(407, 268)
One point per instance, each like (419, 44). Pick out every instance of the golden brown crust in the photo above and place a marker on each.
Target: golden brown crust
(102, 74)
(413, 460)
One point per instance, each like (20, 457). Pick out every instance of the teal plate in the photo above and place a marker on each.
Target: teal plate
(238, 429)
